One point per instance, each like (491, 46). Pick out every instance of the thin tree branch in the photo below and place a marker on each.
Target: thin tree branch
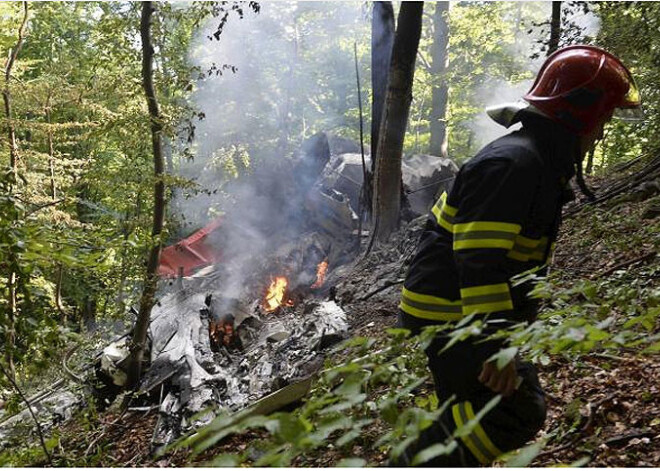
(425, 62)
(34, 417)
(19, 43)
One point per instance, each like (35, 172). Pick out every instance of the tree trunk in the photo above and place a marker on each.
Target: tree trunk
(11, 327)
(58, 294)
(555, 27)
(139, 338)
(89, 314)
(382, 38)
(51, 151)
(12, 276)
(439, 61)
(387, 178)
(11, 130)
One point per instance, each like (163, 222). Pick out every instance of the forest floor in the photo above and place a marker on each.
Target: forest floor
(602, 407)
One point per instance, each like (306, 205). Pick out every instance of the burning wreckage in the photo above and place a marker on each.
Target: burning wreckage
(246, 309)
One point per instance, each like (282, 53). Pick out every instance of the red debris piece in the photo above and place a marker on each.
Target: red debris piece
(190, 254)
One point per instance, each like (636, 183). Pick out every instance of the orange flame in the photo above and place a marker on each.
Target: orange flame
(275, 297)
(321, 270)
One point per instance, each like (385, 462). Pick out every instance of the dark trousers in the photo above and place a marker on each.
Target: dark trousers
(509, 425)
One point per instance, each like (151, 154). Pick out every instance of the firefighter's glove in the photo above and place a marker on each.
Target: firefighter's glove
(504, 381)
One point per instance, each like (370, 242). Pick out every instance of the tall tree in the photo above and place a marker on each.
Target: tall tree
(9, 65)
(555, 27)
(440, 59)
(13, 275)
(139, 338)
(382, 39)
(387, 177)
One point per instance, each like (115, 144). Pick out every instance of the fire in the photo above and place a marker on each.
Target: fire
(275, 297)
(321, 270)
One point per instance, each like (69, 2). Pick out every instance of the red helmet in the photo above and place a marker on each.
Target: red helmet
(580, 86)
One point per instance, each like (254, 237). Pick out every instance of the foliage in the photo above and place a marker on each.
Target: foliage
(75, 225)
(627, 30)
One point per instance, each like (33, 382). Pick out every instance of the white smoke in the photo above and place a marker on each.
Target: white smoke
(284, 83)
(286, 72)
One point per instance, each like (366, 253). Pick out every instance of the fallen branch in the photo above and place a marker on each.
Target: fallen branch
(627, 263)
(68, 370)
(387, 284)
(43, 206)
(629, 436)
(608, 356)
(648, 172)
(34, 417)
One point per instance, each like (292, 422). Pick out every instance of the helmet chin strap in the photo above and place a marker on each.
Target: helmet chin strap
(579, 177)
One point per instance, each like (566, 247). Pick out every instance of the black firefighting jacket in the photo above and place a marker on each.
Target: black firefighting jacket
(500, 219)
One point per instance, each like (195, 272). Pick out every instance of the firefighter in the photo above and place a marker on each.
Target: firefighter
(498, 221)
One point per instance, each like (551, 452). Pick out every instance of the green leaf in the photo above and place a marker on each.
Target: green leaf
(348, 437)
(434, 451)
(596, 334)
(389, 411)
(289, 428)
(504, 357)
(401, 445)
(351, 463)
(524, 456)
(653, 348)
(278, 457)
(579, 463)
(352, 385)
(225, 461)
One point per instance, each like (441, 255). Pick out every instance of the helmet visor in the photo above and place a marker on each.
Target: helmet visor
(632, 97)
(630, 108)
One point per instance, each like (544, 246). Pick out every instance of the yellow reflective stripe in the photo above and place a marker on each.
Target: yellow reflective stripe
(485, 235)
(487, 308)
(445, 224)
(521, 257)
(486, 298)
(537, 256)
(525, 249)
(487, 226)
(430, 315)
(481, 433)
(456, 413)
(429, 299)
(527, 242)
(444, 213)
(450, 210)
(436, 210)
(442, 205)
(482, 244)
(484, 289)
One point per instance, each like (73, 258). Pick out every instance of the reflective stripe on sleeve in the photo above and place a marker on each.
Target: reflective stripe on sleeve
(486, 298)
(485, 235)
(477, 441)
(525, 249)
(444, 213)
(425, 306)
